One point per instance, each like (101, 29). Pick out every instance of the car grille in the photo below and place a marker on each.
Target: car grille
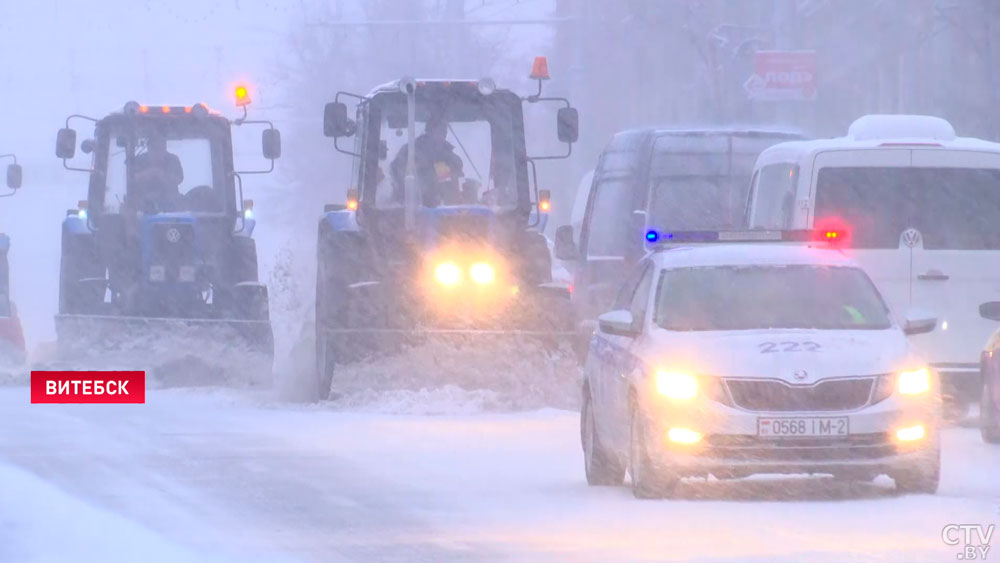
(778, 396)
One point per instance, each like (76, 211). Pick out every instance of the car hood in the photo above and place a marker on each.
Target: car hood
(783, 354)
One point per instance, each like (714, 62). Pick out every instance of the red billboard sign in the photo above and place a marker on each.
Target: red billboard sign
(783, 76)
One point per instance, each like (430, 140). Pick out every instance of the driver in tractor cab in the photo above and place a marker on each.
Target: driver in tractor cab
(438, 168)
(157, 174)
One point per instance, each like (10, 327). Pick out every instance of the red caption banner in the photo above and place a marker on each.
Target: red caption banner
(88, 387)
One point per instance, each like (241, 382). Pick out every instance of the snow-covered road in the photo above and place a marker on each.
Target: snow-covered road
(229, 476)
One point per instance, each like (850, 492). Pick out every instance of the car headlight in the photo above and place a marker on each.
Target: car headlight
(676, 385)
(448, 274)
(914, 382)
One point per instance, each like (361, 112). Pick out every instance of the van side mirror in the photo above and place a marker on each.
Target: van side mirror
(335, 122)
(568, 125)
(271, 143)
(565, 246)
(66, 143)
(14, 174)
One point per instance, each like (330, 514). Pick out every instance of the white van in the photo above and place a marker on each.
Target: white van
(918, 207)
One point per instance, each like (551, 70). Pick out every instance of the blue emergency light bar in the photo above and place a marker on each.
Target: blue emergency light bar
(797, 235)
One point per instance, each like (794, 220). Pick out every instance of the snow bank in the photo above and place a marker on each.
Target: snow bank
(40, 523)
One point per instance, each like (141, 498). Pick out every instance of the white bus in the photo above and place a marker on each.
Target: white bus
(920, 208)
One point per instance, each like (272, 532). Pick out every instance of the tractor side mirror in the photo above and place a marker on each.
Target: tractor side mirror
(335, 122)
(87, 146)
(568, 125)
(14, 173)
(66, 143)
(271, 143)
(565, 246)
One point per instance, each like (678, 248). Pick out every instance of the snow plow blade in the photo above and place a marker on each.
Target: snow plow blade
(173, 351)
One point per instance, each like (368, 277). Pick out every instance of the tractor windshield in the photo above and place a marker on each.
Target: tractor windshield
(464, 151)
(164, 166)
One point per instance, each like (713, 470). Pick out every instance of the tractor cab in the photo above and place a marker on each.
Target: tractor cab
(164, 232)
(164, 160)
(469, 174)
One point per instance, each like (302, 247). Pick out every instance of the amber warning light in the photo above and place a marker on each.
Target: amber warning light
(544, 201)
(242, 96)
(540, 69)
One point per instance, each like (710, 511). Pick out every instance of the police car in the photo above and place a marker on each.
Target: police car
(736, 359)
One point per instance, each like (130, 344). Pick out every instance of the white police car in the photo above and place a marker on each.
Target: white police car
(736, 359)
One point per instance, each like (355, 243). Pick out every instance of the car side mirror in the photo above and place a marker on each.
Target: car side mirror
(565, 246)
(335, 122)
(990, 310)
(919, 322)
(66, 143)
(568, 125)
(618, 323)
(14, 174)
(271, 143)
(87, 146)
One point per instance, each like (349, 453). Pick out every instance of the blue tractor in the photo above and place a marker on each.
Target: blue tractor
(159, 259)
(441, 240)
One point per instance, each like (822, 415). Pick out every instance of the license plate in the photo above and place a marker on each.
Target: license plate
(802, 427)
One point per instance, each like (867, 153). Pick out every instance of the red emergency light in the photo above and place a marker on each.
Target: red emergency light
(832, 231)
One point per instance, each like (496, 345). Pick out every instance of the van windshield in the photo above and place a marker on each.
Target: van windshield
(953, 208)
(702, 181)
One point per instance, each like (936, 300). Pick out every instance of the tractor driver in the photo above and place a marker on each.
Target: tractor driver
(157, 174)
(438, 168)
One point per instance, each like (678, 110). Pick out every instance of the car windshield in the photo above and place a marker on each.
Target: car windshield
(172, 169)
(765, 297)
